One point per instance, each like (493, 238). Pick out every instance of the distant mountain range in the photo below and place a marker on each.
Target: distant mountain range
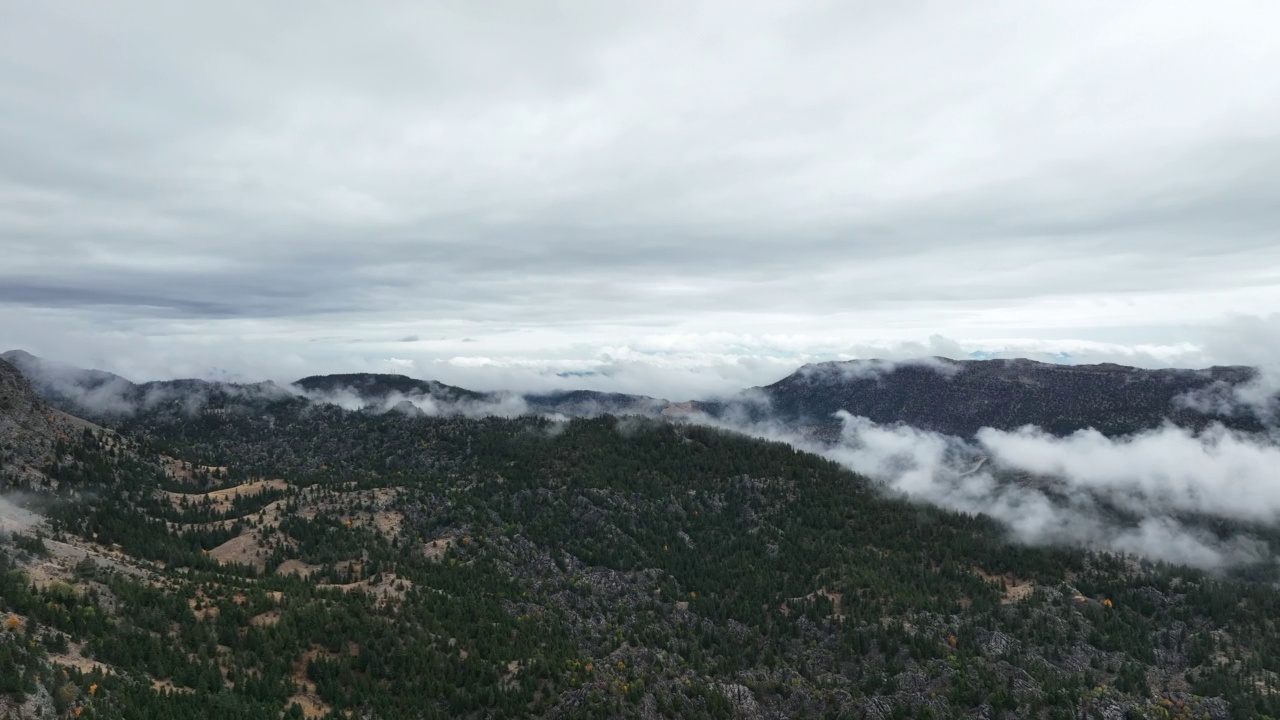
(381, 387)
(941, 395)
(961, 397)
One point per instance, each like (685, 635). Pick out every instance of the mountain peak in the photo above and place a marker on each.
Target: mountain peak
(29, 428)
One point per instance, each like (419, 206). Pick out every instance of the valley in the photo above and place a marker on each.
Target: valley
(265, 555)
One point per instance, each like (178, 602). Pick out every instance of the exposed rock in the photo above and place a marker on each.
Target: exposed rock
(29, 429)
(35, 706)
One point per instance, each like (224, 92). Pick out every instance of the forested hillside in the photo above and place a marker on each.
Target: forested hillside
(960, 397)
(276, 556)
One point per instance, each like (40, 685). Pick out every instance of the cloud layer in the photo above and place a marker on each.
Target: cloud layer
(664, 196)
(1141, 494)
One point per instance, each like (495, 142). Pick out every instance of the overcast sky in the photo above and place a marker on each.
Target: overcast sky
(677, 196)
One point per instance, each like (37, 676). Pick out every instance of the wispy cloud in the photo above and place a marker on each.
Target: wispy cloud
(1153, 494)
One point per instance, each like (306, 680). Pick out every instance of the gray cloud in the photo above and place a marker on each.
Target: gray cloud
(559, 180)
(419, 403)
(1254, 341)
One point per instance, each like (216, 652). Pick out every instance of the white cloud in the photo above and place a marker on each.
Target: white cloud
(1050, 490)
(1160, 476)
(1169, 470)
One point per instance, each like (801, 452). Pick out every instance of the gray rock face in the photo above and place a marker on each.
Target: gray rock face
(38, 704)
(994, 642)
(29, 429)
(743, 701)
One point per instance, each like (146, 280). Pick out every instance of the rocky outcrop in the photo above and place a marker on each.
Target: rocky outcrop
(38, 704)
(29, 429)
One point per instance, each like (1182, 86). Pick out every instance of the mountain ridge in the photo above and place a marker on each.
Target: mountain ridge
(959, 397)
(258, 554)
(953, 397)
